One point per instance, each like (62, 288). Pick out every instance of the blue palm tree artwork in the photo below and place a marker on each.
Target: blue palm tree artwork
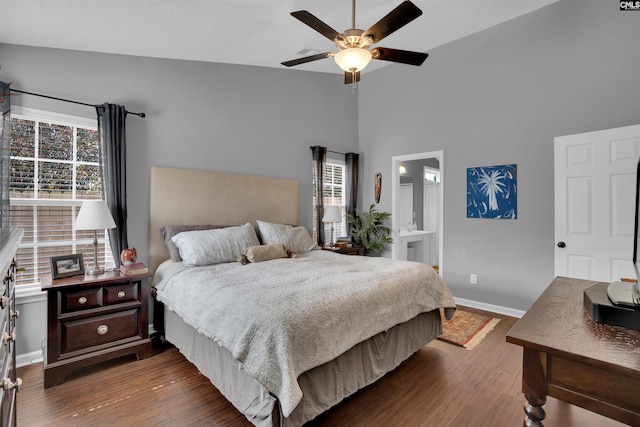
(492, 192)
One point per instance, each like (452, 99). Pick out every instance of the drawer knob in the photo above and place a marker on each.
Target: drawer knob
(7, 384)
(8, 337)
(122, 294)
(82, 300)
(102, 329)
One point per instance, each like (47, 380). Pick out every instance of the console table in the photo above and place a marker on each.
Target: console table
(570, 357)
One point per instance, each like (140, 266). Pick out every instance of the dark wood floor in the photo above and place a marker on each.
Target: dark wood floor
(441, 385)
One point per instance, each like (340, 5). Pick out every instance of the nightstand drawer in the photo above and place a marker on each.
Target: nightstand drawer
(121, 293)
(80, 300)
(86, 333)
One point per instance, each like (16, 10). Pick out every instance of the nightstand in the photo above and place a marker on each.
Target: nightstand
(354, 250)
(92, 319)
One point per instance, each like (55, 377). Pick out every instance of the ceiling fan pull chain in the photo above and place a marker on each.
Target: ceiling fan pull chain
(354, 83)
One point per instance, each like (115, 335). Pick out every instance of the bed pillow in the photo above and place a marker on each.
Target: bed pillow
(265, 253)
(214, 246)
(168, 231)
(296, 239)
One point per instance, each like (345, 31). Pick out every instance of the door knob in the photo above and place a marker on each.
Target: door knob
(561, 244)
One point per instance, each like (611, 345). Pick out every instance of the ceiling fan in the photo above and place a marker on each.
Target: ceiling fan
(353, 45)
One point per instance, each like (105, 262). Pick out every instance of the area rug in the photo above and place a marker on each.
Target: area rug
(466, 329)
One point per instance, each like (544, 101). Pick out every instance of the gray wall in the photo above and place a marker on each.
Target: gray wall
(229, 118)
(498, 97)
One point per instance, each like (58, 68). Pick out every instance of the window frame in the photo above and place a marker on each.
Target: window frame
(29, 292)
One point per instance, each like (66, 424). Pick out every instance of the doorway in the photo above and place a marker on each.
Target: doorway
(411, 171)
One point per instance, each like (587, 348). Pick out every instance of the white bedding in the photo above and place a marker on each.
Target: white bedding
(282, 317)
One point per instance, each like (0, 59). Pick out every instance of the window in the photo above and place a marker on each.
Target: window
(55, 165)
(334, 194)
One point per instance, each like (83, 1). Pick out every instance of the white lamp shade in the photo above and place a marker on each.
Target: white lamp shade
(332, 214)
(94, 215)
(352, 59)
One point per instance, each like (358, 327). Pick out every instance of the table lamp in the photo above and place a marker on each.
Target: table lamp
(332, 215)
(94, 215)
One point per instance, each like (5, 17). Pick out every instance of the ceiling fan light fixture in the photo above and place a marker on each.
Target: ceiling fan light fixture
(353, 59)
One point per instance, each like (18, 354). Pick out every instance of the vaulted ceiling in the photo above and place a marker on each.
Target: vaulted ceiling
(250, 32)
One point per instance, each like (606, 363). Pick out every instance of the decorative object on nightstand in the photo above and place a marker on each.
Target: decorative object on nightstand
(94, 215)
(66, 265)
(134, 269)
(128, 256)
(332, 215)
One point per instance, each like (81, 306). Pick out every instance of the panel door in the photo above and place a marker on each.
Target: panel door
(594, 203)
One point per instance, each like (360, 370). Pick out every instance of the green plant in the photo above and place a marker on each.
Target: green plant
(368, 231)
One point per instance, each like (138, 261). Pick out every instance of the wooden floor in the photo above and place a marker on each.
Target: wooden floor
(441, 385)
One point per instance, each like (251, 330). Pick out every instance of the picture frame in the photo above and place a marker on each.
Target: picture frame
(66, 266)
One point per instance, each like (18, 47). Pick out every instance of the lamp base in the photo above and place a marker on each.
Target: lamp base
(94, 271)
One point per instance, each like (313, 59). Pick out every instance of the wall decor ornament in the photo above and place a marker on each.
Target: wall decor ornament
(492, 192)
(377, 187)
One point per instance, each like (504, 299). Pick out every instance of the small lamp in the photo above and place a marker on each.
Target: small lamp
(94, 215)
(332, 215)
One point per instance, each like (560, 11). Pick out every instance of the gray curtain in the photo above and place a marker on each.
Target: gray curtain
(351, 161)
(112, 130)
(319, 160)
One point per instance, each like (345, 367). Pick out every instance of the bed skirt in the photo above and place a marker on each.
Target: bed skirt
(323, 386)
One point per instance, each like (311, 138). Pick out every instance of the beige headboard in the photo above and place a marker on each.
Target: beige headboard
(184, 196)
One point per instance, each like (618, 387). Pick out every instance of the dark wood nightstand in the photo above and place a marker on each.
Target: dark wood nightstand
(92, 319)
(354, 250)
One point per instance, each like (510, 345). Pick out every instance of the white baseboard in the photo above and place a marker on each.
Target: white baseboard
(28, 358)
(490, 307)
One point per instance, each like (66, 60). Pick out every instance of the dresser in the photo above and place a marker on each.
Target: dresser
(568, 356)
(9, 238)
(92, 319)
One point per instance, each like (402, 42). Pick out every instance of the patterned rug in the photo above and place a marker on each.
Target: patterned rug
(466, 329)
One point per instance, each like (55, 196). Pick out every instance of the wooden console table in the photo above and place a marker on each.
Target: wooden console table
(570, 357)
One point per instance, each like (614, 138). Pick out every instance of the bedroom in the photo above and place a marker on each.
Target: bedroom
(499, 96)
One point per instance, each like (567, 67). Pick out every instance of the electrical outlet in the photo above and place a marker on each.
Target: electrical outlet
(473, 279)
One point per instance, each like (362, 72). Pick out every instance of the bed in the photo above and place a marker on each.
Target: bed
(287, 338)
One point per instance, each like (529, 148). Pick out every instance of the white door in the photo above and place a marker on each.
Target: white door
(595, 181)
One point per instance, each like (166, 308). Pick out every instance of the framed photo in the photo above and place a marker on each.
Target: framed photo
(66, 265)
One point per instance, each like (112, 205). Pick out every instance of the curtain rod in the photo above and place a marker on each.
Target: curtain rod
(331, 151)
(73, 102)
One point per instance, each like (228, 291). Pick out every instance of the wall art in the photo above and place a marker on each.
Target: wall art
(492, 192)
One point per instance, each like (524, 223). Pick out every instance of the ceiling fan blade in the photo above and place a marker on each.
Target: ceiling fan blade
(396, 19)
(348, 77)
(397, 55)
(316, 24)
(306, 59)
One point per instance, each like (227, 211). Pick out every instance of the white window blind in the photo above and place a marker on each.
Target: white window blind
(55, 165)
(334, 194)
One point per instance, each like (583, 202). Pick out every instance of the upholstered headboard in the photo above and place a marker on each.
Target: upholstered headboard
(189, 197)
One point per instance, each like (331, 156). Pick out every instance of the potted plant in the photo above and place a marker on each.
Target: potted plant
(368, 231)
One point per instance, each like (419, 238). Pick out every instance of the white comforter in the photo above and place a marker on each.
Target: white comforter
(282, 317)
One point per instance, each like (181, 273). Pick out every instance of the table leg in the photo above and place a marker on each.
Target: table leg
(534, 386)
